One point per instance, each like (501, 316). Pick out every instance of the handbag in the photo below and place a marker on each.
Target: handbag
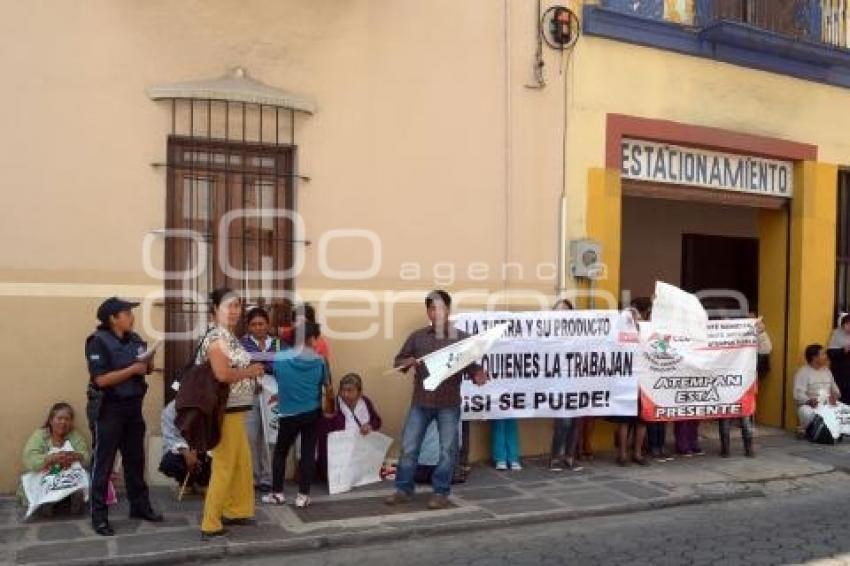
(200, 403)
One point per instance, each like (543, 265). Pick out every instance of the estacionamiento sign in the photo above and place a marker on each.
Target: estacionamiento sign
(664, 163)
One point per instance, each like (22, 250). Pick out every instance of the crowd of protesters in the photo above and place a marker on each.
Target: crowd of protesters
(243, 349)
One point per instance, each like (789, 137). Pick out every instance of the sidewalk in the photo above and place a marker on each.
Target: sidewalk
(489, 499)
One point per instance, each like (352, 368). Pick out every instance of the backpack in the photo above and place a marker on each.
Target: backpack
(818, 432)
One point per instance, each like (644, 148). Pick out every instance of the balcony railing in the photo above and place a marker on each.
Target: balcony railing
(821, 21)
(835, 22)
(816, 20)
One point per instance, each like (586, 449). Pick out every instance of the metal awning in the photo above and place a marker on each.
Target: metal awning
(235, 86)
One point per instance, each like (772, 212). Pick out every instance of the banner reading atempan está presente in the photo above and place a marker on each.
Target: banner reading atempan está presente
(683, 379)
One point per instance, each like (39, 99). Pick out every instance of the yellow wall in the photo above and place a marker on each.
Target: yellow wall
(773, 261)
(812, 266)
(604, 224)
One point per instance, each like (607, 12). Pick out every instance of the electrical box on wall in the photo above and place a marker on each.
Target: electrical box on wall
(586, 259)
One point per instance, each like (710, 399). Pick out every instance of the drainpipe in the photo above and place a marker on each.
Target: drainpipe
(508, 148)
(563, 263)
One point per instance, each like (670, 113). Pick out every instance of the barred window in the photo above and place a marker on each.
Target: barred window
(249, 185)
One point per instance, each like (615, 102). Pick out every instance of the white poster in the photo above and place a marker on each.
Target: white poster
(355, 459)
(268, 408)
(553, 364)
(681, 379)
(46, 487)
(677, 312)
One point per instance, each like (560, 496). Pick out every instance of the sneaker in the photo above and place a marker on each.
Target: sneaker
(273, 499)
(103, 528)
(516, 467)
(501, 466)
(555, 465)
(699, 452)
(398, 498)
(302, 500)
(438, 501)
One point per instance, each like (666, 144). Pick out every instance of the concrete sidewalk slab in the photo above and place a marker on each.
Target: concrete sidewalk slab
(489, 499)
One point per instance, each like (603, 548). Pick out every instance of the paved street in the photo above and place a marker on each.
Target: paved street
(804, 527)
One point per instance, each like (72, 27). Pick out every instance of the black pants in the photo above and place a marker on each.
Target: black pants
(119, 427)
(307, 425)
(656, 436)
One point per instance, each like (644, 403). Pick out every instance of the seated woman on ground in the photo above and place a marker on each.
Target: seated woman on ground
(354, 411)
(52, 448)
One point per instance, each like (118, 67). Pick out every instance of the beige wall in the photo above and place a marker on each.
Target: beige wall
(425, 132)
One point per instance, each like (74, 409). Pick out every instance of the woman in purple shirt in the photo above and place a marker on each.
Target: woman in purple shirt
(354, 411)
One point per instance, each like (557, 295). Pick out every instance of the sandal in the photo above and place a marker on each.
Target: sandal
(273, 499)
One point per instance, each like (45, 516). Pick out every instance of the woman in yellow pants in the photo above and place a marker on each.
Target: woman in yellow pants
(230, 495)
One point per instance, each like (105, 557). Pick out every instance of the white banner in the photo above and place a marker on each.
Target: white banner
(46, 487)
(681, 379)
(355, 459)
(553, 364)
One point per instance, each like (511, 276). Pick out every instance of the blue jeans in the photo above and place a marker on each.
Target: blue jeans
(504, 440)
(418, 419)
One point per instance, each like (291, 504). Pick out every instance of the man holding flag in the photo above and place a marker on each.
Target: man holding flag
(437, 400)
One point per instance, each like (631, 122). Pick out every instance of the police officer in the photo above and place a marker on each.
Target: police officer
(117, 369)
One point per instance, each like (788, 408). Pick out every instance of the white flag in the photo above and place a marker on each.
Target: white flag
(678, 313)
(449, 360)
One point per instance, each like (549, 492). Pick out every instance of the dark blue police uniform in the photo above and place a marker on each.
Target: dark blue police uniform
(119, 424)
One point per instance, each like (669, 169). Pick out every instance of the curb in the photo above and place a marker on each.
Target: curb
(395, 533)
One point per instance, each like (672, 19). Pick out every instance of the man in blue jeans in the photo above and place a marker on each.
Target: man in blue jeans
(441, 405)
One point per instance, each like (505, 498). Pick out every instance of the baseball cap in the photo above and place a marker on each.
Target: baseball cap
(112, 306)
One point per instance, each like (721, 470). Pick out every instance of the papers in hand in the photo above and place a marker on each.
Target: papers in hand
(148, 354)
(449, 360)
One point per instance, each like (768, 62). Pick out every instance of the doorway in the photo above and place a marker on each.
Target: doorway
(723, 271)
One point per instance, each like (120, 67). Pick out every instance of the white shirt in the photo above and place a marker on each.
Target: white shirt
(811, 383)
